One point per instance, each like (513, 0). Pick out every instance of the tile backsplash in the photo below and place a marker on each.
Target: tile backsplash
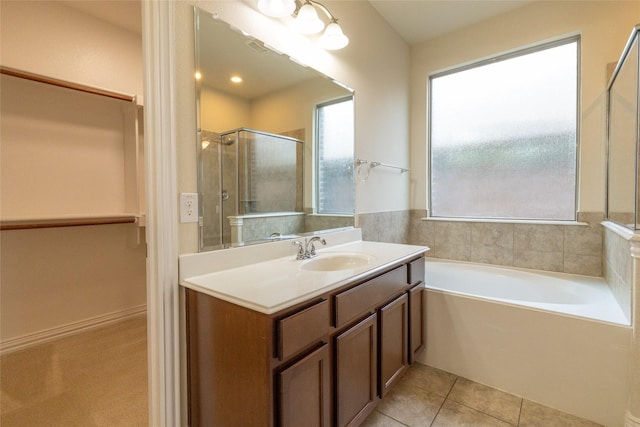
(567, 248)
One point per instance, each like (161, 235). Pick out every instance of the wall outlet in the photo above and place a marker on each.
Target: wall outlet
(188, 207)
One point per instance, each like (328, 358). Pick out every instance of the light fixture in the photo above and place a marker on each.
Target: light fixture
(333, 38)
(307, 20)
(277, 8)
(236, 79)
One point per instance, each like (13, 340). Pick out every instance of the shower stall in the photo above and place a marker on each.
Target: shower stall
(623, 177)
(252, 187)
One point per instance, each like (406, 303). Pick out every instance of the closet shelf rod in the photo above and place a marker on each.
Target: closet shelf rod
(360, 162)
(61, 222)
(65, 84)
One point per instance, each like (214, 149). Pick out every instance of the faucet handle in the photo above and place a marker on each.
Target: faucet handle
(301, 254)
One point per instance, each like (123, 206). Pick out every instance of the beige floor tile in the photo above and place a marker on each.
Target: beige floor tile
(376, 419)
(485, 399)
(453, 414)
(411, 405)
(536, 415)
(429, 379)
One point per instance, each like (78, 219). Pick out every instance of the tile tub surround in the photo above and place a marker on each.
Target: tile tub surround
(618, 264)
(427, 396)
(571, 248)
(391, 227)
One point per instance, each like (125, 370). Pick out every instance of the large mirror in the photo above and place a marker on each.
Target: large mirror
(275, 142)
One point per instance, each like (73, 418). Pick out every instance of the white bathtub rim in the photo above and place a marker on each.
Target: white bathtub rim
(613, 314)
(566, 276)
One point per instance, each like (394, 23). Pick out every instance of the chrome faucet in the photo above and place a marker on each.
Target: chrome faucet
(310, 250)
(307, 249)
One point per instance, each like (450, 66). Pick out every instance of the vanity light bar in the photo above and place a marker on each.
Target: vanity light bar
(307, 20)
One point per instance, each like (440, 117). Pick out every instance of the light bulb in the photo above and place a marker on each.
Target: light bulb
(277, 8)
(307, 21)
(333, 37)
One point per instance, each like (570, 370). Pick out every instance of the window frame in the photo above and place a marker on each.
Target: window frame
(518, 52)
(316, 155)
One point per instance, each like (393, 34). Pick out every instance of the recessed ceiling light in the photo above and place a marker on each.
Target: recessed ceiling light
(236, 79)
(198, 75)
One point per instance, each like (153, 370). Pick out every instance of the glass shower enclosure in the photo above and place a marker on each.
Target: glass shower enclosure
(249, 176)
(623, 154)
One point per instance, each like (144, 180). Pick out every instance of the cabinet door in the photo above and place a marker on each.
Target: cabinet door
(304, 394)
(355, 372)
(394, 345)
(416, 321)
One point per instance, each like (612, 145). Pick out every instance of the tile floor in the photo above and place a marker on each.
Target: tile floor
(426, 396)
(99, 378)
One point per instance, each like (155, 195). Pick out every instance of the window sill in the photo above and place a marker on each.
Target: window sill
(332, 215)
(505, 221)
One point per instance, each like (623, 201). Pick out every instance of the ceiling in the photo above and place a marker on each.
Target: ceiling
(263, 70)
(414, 20)
(420, 20)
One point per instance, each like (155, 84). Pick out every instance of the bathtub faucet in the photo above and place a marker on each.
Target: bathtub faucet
(307, 249)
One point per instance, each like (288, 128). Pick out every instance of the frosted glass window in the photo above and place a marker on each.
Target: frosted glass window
(503, 137)
(335, 192)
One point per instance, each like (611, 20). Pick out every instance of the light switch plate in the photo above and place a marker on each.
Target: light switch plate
(188, 207)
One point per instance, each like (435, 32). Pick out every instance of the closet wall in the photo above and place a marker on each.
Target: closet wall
(68, 154)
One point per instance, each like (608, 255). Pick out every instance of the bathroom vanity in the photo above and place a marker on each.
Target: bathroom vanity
(316, 342)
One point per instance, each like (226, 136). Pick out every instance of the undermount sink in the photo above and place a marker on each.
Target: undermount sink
(333, 262)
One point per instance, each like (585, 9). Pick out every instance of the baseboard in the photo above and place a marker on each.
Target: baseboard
(29, 340)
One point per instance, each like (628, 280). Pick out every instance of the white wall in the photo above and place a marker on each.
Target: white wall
(56, 280)
(222, 112)
(604, 26)
(62, 152)
(50, 38)
(375, 65)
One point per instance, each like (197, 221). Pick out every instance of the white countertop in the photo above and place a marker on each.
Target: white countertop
(272, 285)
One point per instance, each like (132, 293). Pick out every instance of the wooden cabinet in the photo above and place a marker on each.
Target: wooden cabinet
(416, 321)
(302, 329)
(304, 394)
(417, 309)
(327, 361)
(394, 342)
(356, 372)
(353, 303)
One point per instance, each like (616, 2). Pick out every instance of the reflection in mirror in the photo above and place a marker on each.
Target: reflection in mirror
(622, 173)
(275, 144)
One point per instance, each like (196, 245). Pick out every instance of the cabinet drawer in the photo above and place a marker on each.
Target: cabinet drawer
(416, 271)
(356, 301)
(302, 329)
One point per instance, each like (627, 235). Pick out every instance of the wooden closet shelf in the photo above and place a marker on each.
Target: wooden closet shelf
(24, 224)
(65, 84)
